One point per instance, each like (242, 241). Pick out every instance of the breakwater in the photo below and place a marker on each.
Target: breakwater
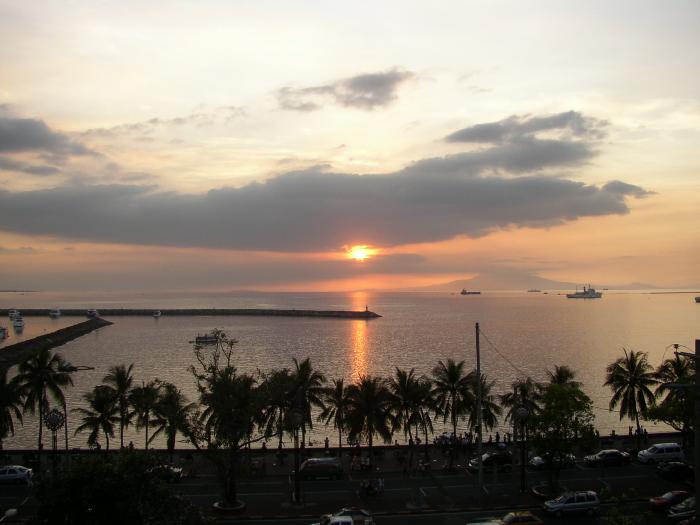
(193, 312)
(16, 353)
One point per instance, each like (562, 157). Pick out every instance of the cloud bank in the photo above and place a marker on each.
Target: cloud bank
(19, 135)
(368, 91)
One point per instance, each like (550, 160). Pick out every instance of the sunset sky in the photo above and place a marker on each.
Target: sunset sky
(252, 145)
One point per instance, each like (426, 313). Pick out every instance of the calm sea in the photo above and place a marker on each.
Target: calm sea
(524, 333)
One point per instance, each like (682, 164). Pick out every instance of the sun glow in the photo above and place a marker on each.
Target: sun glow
(360, 252)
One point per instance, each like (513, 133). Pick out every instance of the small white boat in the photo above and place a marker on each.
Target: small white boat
(13, 313)
(93, 313)
(18, 323)
(54, 313)
(587, 293)
(157, 314)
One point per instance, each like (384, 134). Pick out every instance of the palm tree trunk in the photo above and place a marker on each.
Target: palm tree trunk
(106, 442)
(340, 442)
(639, 430)
(65, 421)
(147, 418)
(41, 421)
(121, 431)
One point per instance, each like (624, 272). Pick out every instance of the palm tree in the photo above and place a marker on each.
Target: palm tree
(143, 399)
(630, 378)
(41, 375)
(120, 379)
(101, 416)
(278, 389)
(490, 409)
(404, 390)
(10, 405)
(563, 375)
(172, 415)
(425, 406)
(335, 408)
(308, 386)
(369, 410)
(451, 391)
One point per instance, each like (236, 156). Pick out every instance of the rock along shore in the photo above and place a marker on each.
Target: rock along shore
(192, 312)
(18, 352)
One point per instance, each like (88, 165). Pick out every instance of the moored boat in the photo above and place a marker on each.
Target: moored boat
(468, 292)
(3, 333)
(587, 293)
(54, 313)
(92, 313)
(206, 339)
(18, 323)
(157, 314)
(697, 299)
(534, 290)
(13, 313)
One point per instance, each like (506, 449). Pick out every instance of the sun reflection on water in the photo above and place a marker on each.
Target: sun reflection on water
(359, 345)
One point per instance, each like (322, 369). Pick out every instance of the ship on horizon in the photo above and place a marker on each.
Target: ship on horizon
(587, 293)
(468, 292)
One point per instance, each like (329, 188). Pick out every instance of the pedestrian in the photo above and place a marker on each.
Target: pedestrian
(326, 443)
(498, 437)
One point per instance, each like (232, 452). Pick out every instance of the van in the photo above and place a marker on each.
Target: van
(661, 452)
(321, 468)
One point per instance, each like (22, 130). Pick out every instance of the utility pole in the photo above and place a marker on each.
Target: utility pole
(478, 411)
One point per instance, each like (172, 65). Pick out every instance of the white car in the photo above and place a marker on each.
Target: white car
(660, 453)
(15, 475)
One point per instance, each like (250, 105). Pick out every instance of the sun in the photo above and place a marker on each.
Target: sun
(360, 252)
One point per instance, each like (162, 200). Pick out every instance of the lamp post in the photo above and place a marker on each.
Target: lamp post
(521, 414)
(54, 420)
(296, 420)
(69, 369)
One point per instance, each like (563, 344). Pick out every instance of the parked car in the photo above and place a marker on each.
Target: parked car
(168, 473)
(321, 468)
(676, 471)
(520, 517)
(661, 453)
(685, 509)
(502, 460)
(16, 475)
(541, 462)
(667, 500)
(607, 458)
(348, 516)
(573, 502)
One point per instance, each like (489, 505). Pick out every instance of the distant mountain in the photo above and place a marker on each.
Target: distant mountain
(517, 280)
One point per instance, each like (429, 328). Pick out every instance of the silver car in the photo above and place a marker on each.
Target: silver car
(15, 475)
(573, 502)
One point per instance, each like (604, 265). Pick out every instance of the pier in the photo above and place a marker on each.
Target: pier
(14, 354)
(194, 312)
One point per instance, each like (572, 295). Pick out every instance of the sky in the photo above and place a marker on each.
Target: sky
(336, 146)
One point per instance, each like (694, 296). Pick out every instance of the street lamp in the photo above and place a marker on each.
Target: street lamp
(521, 414)
(54, 420)
(296, 419)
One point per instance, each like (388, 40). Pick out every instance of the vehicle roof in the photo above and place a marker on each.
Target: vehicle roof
(16, 466)
(664, 445)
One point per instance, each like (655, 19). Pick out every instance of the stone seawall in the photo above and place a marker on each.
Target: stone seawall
(118, 312)
(16, 353)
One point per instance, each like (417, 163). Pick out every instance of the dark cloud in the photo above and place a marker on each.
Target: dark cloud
(31, 135)
(8, 164)
(309, 211)
(623, 188)
(516, 127)
(367, 91)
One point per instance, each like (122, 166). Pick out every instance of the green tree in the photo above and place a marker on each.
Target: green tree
(335, 408)
(675, 406)
(369, 412)
(101, 415)
(278, 388)
(525, 393)
(404, 396)
(42, 375)
(232, 403)
(564, 418)
(631, 378)
(425, 406)
(122, 489)
(11, 403)
(143, 399)
(308, 389)
(172, 414)
(120, 378)
(562, 375)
